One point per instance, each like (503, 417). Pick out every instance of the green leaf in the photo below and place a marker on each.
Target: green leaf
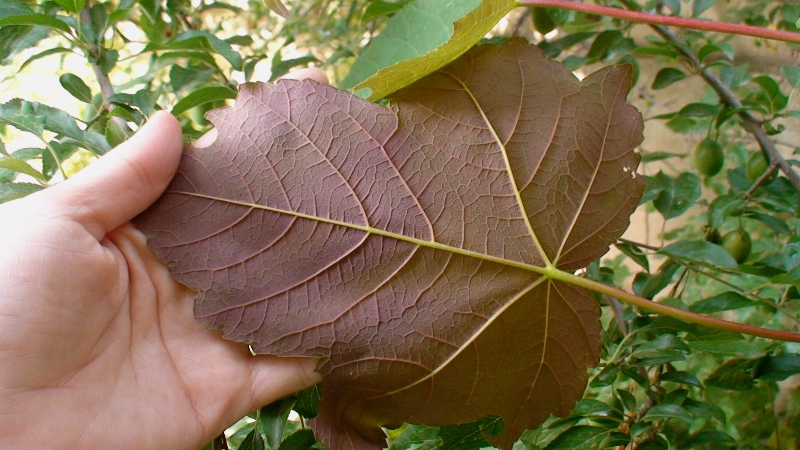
(145, 99)
(272, 419)
(554, 48)
(283, 66)
(36, 19)
(14, 8)
(673, 5)
(606, 377)
(585, 437)
(733, 77)
(707, 437)
(791, 277)
(589, 407)
(709, 49)
(667, 411)
(7, 176)
(378, 8)
(100, 21)
(700, 251)
(700, 6)
(703, 410)
(656, 51)
(75, 86)
(659, 156)
(650, 285)
(735, 374)
(627, 399)
(16, 38)
(12, 191)
(108, 60)
(242, 40)
(307, 403)
(299, 440)
(202, 96)
(469, 436)
(451, 37)
(792, 74)
(253, 441)
(723, 302)
(634, 253)
(277, 7)
(115, 133)
(43, 54)
(699, 110)
(189, 77)
(667, 76)
(35, 118)
(73, 6)
(665, 348)
(721, 208)
(776, 224)
(417, 437)
(127, 113)
(779, 367)
(57, 154)
(118, 15)
(416, 29)
(200, 40)
(728, 348)
(772, 91)
(20, 166)
(678, 194)
(602, 43)
(542, 20)
(682, 377)
(28, 153)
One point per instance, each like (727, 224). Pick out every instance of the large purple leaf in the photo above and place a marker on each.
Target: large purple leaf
(410, 247)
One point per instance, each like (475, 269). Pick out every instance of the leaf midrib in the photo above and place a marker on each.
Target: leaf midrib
(509, 171)
(546, 271)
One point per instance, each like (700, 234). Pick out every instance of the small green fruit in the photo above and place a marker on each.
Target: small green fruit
(738, 244)
(708, 157)
(756, 166)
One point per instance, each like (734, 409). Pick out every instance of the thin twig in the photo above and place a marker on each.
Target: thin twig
(751, 124)
(718, 279)
(657, 22)
(761, 180)
(619, 313)
(106, 88)
(658, 19)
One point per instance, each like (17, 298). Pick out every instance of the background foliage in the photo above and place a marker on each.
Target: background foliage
(662, 383)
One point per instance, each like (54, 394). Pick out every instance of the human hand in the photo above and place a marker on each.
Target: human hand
(98, 344)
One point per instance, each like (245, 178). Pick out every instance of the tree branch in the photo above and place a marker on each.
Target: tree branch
(751, 124)
(658, 19)
(106, 88)
(657, 22)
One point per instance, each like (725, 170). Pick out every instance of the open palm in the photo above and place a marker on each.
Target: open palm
(98, 344)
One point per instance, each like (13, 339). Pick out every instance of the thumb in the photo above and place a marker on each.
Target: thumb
(275, 377)
(125, 181)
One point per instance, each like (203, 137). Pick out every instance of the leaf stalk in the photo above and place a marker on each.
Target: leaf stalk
(670, 311)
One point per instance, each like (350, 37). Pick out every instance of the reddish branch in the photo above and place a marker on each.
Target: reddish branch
(658, 19)
(657, 22)
(751, 124)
